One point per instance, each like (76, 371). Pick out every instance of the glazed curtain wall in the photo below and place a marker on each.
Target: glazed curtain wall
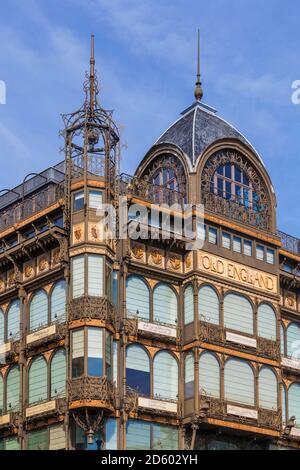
(138, 301)
(93, 265)
(141, 435)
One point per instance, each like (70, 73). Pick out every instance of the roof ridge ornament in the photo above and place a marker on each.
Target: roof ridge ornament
(198, 89)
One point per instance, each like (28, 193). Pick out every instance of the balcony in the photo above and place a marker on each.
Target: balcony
(91, 389)
(289, 243)
(132, 186)
(29, 206)
(91, 308)
(219, 409)
(42, 337)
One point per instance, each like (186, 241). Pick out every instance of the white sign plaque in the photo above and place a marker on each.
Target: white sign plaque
(39, 409)
(37, 335)
(239, 339)
(243, 412)
(157, 329)
(158, 405)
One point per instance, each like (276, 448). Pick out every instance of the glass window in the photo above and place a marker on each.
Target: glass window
(209, 376)
(58, 374)
(11, 444)
(238, 313)
(282, 340)
(115, 362)
(95, 199)
(137, 298)
(142, 435)
(239, 382)
(78, 201)
(268, 389)
(266, 319)
(138, 370)
(260, 252)
(13, 389)
(77, 353)
(108, 355)
(270, 256)
(1, 327)
(165, 371)
(38, 440)
(1, 396)
(237, 244)
(38, 381)
(189, 380)
(58, 302)
(95, 275)
(111, 434)
(164, 437)
(13, 321)
(95, 352)
(247, 248)
(57, 437)
(77, 276)
(209, 311)
(293, 340)
(226, 240)
(39, 310)
(188, 305)
(165, 305)
(294, 402)
(213, 235)
(201, 231)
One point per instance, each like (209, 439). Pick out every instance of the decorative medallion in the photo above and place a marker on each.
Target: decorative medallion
(156, 257)
(175, 263)
(56, 257)
(28, 271)
(11, 278)
(43, 264)
(137, 252)
(2, 285)
(188, 261)
(290, 301)
(78, 233)
(94, 232)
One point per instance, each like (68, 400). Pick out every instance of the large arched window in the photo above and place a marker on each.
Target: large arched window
(282, 340)
(58, 374)
(13, 389)
(209, 376)
(39, 310)
(138, 370)
(189, 305)
(1, 395)
(189, 376)
(13, 321)
(58, 302)
(238, 313)
(294, 402)
(233, 187)
(165, 305)
(165, 369)
(1, 327)
(137, 298)
(284, 405)
(266, 322)
(209, 310)
(239, 382)
(293, 340)
(37, 381)
(268, 389)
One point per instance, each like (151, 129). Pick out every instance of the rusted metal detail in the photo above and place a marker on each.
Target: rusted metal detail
(270, 419)
(131, 401)
(268, 348)
(211, 408)
(91, 308)
(91, 388)
(209, 333)
(130, 327)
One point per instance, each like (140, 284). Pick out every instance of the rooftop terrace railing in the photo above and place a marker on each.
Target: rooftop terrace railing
(29, 206)
(289, 243)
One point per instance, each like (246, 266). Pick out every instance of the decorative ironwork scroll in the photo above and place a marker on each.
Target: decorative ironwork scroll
(91, 388)
(88, 307)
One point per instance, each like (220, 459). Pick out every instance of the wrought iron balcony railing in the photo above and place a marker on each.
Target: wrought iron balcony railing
(289, 243)
(91, 308)
(92, 388)
(30, 205)
(156, 194)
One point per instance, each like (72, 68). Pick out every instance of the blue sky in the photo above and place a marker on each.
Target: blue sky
(145, 53)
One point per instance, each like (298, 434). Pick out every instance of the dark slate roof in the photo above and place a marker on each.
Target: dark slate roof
(197, 128)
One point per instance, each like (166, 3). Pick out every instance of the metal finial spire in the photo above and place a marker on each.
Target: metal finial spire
(92, 73)
(198, 89)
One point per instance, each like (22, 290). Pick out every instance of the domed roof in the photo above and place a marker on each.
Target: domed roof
(198, 128)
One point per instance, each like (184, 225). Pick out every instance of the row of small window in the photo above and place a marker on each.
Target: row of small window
(95, 200)
(13, 240)
(238, 244)
(52, 438)
(46, 381)
(44, 309)
(238, 312)
(239, 381)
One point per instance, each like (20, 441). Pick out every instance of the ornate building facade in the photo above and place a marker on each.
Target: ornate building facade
(112, 343)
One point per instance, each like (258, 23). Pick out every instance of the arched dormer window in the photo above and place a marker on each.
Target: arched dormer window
(231, 186)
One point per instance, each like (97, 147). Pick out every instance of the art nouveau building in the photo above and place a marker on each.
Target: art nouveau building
(144, 344)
